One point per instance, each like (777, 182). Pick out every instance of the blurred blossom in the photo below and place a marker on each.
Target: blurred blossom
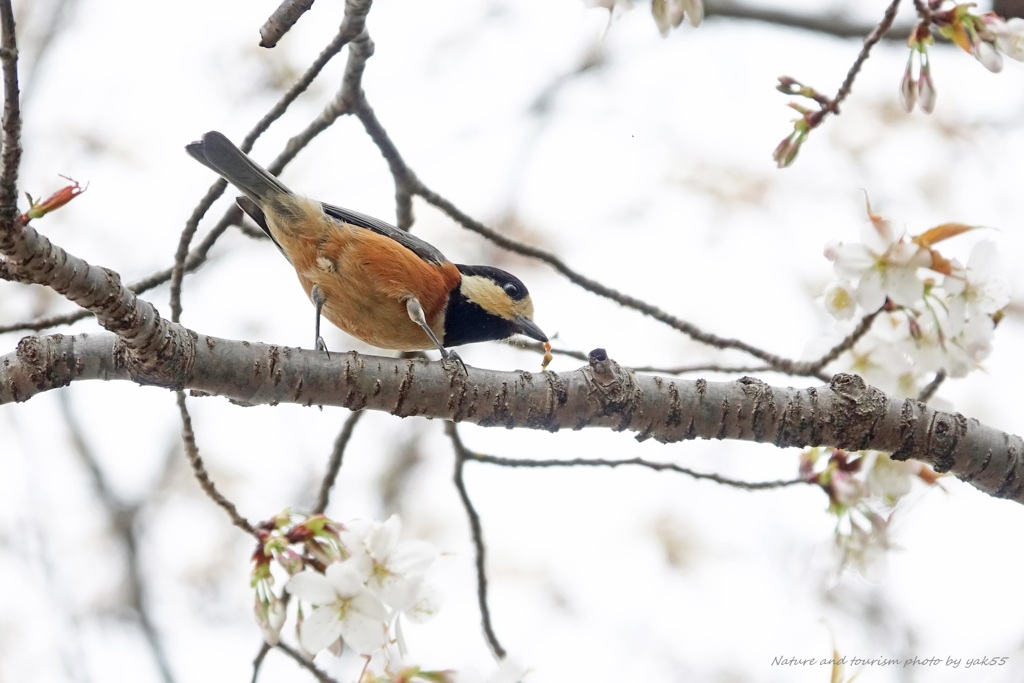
(864, 548)
(846, 488)
(1009, 36)
(972, 345)
(884, 364)
(840, 300)
(863, 488)
(980, 288)
(891, 479)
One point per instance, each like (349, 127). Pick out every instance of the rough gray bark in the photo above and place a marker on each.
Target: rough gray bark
(846, 413)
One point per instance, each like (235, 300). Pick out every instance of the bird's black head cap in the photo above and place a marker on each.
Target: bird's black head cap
(488, 304)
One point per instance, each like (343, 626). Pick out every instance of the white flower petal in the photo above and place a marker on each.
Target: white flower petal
(348, 577)
(396, 591)
(362, 633)
(955, 283)
(321, 628)
(870, 292)
(427, 603)
(852, 260)
(365, 603)
(995, 296)
(877, 236)
(312, 587)
(903, 286)
(384, 538)
(957, 314)
(353, 535)
(908, 254)
(984, 257)
(412, 558)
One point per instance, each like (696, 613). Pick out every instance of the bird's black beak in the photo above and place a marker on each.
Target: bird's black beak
(529, 328)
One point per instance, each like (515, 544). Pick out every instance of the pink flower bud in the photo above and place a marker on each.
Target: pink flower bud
(986, 53)
(926, 92)
(908, 92)
(908, 86)
(694, 10)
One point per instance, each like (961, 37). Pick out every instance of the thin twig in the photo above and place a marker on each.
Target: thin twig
(318, 673)
(408, 184)
(123, 517)
(638, 462)
(405, 180)
(928, 391)
(281, 21)
(334, 464)
(476, 530)
(537, 347)
(814, 366)
(188, 438)
(595, 287)
(191, 225)
(351, 27)
(876, 35)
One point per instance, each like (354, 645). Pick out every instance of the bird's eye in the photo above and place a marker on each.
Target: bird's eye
(511, 289)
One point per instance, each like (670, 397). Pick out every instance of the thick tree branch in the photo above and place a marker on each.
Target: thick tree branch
(148, 341)
(845, 414)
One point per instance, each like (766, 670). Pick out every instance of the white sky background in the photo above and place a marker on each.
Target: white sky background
(652, 173)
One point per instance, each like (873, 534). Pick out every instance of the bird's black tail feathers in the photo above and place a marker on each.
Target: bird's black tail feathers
(221, 155)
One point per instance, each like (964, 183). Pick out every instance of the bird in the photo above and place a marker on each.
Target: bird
(378, 283)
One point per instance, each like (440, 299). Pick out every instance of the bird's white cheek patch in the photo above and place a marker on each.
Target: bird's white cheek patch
(325, 264)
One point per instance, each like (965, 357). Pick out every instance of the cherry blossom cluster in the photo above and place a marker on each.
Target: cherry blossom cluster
(986, 36)
(935, 315)
(863, 489)
(354, 582)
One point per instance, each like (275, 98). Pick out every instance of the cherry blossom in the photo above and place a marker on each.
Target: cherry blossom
(345, 607)
(398, 570)
(884, 264)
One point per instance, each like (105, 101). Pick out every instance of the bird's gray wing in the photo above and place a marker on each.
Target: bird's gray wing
(424, 250)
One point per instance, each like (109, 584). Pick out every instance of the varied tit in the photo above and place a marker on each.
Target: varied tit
(380, 284)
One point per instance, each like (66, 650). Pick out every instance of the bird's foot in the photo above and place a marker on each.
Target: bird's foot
(451, 357)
